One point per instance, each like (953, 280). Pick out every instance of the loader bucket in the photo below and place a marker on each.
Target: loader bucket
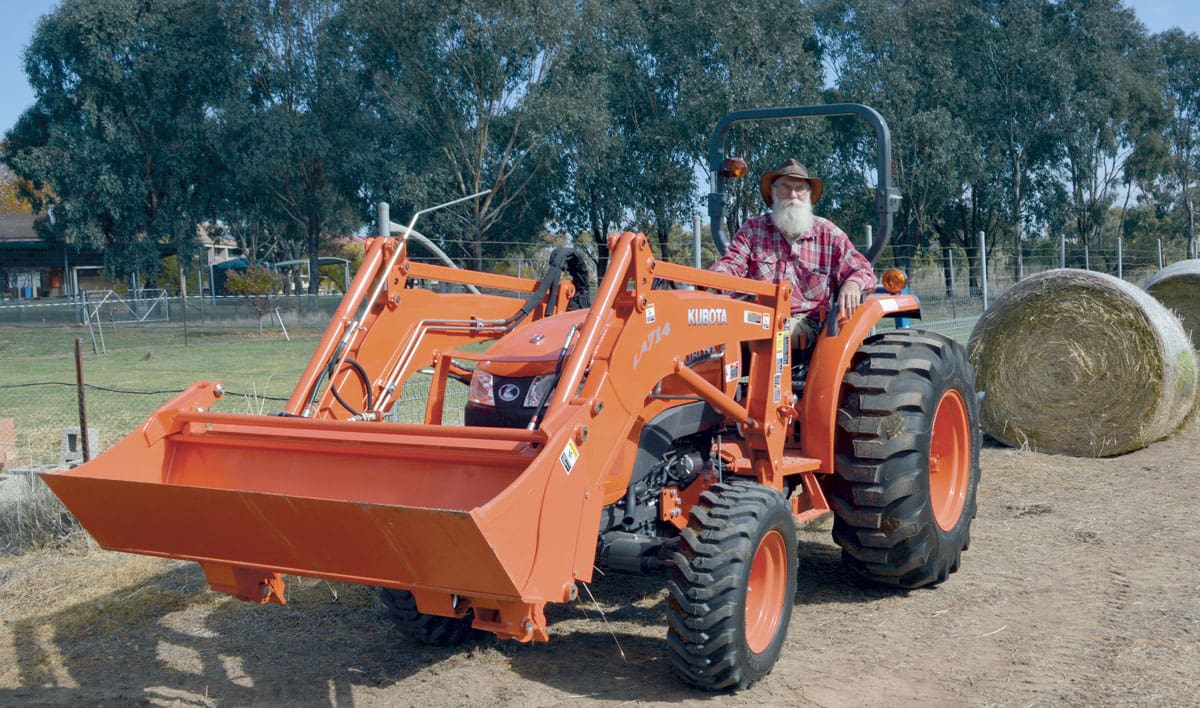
(426, 508)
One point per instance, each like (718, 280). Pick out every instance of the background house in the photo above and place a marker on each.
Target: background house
(29, 267)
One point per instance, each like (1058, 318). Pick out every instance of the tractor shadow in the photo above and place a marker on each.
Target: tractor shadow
(169, 640)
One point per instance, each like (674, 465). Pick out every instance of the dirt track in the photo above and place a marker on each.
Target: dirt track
(1081, 587)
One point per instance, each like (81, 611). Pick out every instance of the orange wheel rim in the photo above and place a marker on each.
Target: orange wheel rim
(949, 459)
(765, 591)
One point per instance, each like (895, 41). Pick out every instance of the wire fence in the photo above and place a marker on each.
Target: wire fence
(109, 309)
(137, 363)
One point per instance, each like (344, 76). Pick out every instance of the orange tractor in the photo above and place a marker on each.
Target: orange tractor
(653, 430)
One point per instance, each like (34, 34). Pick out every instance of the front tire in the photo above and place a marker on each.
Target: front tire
(401, 608)
(907, 464)
(732, 586)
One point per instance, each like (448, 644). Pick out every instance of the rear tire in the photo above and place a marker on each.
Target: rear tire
(440, 631)
(907, 464)
(732, 586)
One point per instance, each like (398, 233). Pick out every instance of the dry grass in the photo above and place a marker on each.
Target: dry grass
(32, 517)
(1178, 288)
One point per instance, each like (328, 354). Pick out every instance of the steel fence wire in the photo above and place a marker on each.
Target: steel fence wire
(44, 416)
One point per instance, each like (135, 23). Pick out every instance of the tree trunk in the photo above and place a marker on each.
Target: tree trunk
(477, 251)
(947, 271)
(664, 246)
(314, 263)
(601, 252)
(1189, 209)
(971, 253)
(1018, 257)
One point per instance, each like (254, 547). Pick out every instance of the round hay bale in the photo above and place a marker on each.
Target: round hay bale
(1178, 287)
(1080, 363)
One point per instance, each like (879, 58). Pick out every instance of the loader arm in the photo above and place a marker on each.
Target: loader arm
(499, 521)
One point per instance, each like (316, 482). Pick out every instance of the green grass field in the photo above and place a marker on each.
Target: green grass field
(142, 369)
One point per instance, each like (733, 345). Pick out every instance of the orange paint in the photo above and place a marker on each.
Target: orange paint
(498, 520)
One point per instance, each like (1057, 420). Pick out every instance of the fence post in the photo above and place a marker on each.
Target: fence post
(870, 237)
(696, 242)
(84, 443)
(183, 303)
(953, 299)
(1160, 257)
(983, 268)
(282, 325)
(1062, 250)
(1120, 257)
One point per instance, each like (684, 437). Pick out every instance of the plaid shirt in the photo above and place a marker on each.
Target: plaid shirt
(819, 259)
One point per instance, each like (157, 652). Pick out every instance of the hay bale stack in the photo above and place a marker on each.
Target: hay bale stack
(1080, 363)
(1178, 287)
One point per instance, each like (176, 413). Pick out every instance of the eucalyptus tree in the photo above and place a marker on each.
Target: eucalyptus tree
(1110, 103)
(653, 122)
(594, 193)
(903, 58)
(469, 90)
(762, 55)
(1176, 179)
(293, 135)
(118, 131)
(1020, 87)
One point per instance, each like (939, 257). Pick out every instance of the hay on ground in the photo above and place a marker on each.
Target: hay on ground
(1080, 363)
(1178, 288)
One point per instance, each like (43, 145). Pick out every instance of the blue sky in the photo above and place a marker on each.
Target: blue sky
(20, 18)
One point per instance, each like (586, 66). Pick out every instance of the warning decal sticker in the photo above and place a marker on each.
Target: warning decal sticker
(569, 456)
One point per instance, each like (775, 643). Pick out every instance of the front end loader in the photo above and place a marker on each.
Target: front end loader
(652, 428)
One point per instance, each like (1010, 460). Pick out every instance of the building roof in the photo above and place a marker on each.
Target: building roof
(17, 228)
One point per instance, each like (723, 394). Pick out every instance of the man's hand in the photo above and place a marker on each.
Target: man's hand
(849, 298)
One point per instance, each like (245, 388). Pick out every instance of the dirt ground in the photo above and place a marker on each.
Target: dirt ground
(1081, 587)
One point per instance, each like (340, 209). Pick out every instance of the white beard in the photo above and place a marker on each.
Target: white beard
(793, 217)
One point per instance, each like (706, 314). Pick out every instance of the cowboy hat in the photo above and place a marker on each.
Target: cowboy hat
(791, 168)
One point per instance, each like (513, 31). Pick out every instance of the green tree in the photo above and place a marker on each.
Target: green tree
(258, 285)
(594, 192)
(471, 101)
(1109, 105)
(1174, 179)
(292, 136)
(118, 129)
(902, 58)
(1018, 97)
(708, 61)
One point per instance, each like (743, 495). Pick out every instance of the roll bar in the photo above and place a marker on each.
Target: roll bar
(887, 197)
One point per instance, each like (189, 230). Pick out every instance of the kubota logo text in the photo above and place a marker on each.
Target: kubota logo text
(707, 316)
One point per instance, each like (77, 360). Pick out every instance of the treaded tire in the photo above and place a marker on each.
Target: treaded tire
(440, 631)
(740, 540)
(907, 465)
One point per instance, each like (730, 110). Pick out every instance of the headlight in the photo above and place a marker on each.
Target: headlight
(481, 388)
(539, 389)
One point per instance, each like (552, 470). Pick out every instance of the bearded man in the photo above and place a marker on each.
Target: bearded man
(790, 242)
